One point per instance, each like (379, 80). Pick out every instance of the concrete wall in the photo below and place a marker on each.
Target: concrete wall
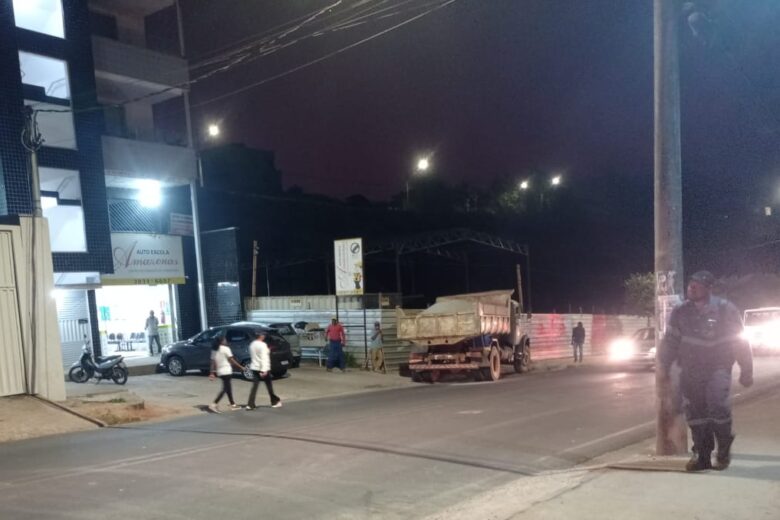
(42, 372)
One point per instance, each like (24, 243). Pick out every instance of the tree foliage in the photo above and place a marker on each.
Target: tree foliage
(640, 294)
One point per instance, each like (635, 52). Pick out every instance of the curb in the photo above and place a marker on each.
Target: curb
(64, 408)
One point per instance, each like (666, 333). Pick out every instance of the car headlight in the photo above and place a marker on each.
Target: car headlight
(621, 350)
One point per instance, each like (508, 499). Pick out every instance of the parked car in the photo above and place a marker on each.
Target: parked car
(289, 333)
(195, 353)
(635, 350)
(762, 330)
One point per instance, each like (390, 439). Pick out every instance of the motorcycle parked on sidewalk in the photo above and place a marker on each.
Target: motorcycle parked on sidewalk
(109, 367)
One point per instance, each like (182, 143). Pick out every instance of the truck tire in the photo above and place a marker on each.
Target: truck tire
(522, 362)
(493, 371)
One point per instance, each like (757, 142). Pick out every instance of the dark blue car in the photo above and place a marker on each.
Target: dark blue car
(195, 353)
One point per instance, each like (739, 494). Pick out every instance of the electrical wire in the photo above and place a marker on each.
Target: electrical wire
(247, 54)
(322, 58)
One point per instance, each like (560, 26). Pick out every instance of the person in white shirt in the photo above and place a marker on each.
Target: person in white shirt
(153, 333)
(261, 368)
(221, 361)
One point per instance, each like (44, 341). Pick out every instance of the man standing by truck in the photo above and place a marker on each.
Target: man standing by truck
(337, 340)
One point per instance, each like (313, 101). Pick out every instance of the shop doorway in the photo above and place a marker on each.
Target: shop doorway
(122, 311)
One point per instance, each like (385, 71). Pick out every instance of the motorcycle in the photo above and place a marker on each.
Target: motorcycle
(108, 367)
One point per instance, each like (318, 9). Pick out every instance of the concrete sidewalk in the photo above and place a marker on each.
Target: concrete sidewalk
(161, 396)
(634, 484)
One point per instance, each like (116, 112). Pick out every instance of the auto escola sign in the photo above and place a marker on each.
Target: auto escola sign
(145, 259)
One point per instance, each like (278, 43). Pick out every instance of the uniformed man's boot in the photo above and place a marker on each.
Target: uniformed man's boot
(703, 444)
(699, 462)
(725, 438)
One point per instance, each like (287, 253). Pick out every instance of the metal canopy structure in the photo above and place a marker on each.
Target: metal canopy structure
(435, 242)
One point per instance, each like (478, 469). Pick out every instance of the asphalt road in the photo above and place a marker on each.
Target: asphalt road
(391, 454)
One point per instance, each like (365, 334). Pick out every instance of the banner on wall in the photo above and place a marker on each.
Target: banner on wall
(348, 260)
(145, 259)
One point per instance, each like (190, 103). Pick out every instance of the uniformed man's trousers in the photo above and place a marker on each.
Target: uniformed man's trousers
(707, 406)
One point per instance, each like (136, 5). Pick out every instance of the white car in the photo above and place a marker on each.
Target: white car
(762, 329)
(635, 350)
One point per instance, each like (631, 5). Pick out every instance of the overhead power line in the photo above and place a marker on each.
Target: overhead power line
(270, 42)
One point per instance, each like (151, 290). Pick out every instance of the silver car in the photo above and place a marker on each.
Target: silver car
(635, 350)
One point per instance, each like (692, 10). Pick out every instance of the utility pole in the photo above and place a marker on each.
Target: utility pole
(519, 277)
(254, 268)
(671, 433)
(32, 140)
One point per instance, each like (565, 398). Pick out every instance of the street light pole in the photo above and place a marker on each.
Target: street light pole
(671, 433)
(204, 320)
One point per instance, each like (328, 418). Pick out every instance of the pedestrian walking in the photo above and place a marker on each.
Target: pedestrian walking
(222, 363)
(704, 337)
(577, 341)
(337, 340)
(377, 349)
(153, 333)
(260, 365)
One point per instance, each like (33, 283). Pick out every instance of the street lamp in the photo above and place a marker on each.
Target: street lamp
(213, 132)
(149, 193)
(555, 181)
(422, 167)
(525, 185)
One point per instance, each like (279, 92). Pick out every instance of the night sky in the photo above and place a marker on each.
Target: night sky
(501, 88)
(493, 87)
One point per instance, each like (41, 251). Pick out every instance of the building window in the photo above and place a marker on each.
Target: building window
(61, 203)
(43, 16)
(44, 77)
(55, 123)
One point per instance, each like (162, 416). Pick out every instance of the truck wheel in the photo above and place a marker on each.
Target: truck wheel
(492, 372)
(522, 361)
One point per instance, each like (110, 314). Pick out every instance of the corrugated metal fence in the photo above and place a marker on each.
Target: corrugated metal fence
(550, 333)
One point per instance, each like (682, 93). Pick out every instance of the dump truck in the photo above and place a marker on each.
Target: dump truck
(471, 333)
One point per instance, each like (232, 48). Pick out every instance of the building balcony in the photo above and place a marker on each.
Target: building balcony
(129, 160)
(136, 70)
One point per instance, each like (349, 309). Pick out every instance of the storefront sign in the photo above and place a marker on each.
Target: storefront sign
(180, 224)
(348, 260)
(144, 259)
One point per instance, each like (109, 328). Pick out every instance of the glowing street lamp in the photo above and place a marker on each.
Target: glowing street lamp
(525, 185)
(556, 181)
(149, 193)
(213, 130)
(423, 164)
(422, 167)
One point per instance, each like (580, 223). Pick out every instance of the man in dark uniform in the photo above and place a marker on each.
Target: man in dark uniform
(703, 336)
